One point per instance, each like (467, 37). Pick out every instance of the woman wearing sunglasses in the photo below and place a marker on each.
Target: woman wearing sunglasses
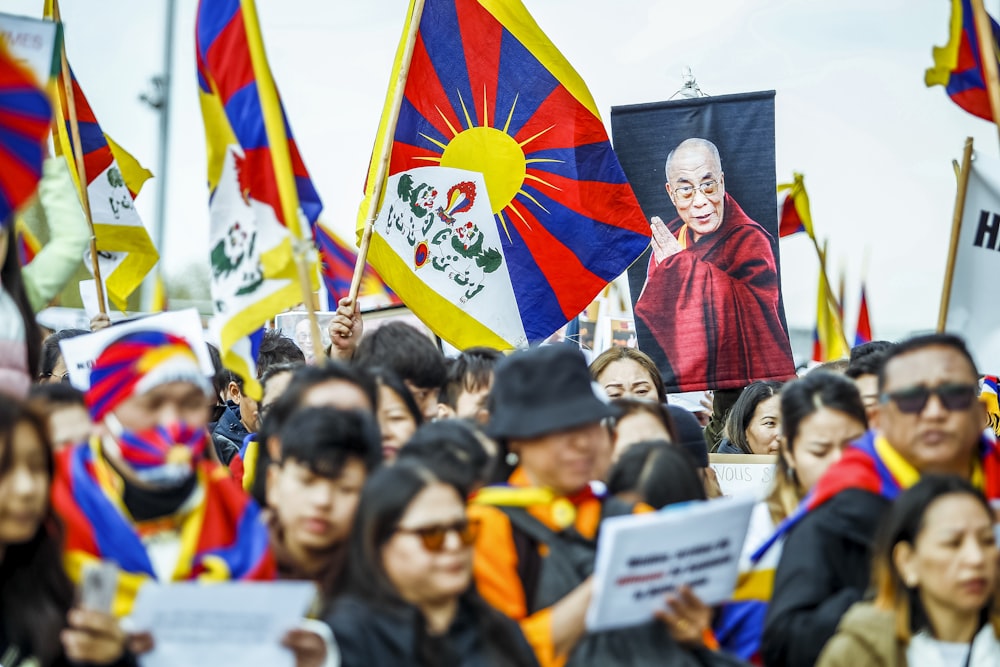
(408, 597)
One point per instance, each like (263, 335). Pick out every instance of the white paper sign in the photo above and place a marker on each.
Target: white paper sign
(32, 42)
(977, 263)
(80, 352)
(223, 625)
(744, 474)
(642, 558)
(88, 294)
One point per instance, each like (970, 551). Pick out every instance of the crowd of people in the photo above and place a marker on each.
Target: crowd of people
(448, 510)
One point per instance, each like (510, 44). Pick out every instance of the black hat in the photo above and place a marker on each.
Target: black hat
(543, 390)
(690, 435)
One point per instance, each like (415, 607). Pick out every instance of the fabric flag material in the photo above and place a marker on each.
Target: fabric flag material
(828, 336)
(863, 332)
(977, 263)
(337, 262)
(113, 178)
(24, 124)
(988, 394)
(958, 66)
(260, 191)
(793, 214)
(506, 210)
(28, 244)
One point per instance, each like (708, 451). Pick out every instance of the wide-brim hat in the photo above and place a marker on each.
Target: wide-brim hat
(544, 390)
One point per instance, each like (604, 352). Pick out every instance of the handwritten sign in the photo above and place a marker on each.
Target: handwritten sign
(744, 474)
(642, 558)
(79, 353)
(32, 42)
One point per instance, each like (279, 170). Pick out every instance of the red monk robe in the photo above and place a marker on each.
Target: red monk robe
(713, 308)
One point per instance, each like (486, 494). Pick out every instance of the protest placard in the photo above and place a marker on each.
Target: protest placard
(80, 352)
(744, 474)
(642, 558)
(32, 42)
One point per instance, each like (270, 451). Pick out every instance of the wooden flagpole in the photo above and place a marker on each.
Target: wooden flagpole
(988, 57)
(381, 175)
(81, 166)
(956, 228)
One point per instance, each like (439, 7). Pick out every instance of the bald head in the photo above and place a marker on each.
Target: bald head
(695, 146)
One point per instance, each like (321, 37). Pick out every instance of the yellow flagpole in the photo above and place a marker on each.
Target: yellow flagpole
(386, 150)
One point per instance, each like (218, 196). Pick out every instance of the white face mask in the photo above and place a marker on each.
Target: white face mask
(147, 453)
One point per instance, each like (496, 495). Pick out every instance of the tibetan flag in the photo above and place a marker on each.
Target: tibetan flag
(24, 125)
(988, 394)
(260, 192)
(828, 336)
(863, 332)
(337, 262)
(28, 244)
(112, 179)
(793, 214)
(958, 66)
(505, 211)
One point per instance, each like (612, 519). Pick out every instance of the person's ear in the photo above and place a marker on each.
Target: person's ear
(903, 559)
(670, 193)
(234, 393)
(274, 448)
(271, 485)
(444, 411)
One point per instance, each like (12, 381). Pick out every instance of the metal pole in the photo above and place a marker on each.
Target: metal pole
(163, 107)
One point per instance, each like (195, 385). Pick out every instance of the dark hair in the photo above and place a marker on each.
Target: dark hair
(469, 371)
(223, 376)
(903, 523)
(324, 439)
(661, 473)
(384, 500)
(276, 369)
(303, 379)
(385, 377)
(919, 343)
(868, 359)
(742, 412)
(50, 352)
(50, 394)
(276, 348)
(35, 593)
(406, 351)
(13, 283)
(615, 353)
(453, 446)
(800, 399)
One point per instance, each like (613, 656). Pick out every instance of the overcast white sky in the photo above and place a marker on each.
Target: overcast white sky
(853, 113)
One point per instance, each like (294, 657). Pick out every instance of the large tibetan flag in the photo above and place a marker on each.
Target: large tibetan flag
(793, 213)
(112, 179)
(863, 332)
(337, 262)
(505, 211)
(828, 337)
(262, 200)
(958, 65)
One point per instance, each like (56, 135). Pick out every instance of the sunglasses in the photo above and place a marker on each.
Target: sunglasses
(953, 397)
(433, 537)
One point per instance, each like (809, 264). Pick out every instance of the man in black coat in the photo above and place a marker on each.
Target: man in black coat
(930, 422)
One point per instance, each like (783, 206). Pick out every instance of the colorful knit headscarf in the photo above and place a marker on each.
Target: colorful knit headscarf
(135, 364)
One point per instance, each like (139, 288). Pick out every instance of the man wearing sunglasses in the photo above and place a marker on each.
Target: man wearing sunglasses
(711, 298)
(930, 422)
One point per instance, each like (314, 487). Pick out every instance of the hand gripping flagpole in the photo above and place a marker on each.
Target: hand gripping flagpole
(956, 228)
(378, 187)
(81, 166)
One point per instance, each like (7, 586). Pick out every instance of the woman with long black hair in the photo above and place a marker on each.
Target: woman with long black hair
(408, 597)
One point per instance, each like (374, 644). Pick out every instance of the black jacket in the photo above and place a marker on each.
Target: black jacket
(369, 636)
(824, 569)
(228, 434)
